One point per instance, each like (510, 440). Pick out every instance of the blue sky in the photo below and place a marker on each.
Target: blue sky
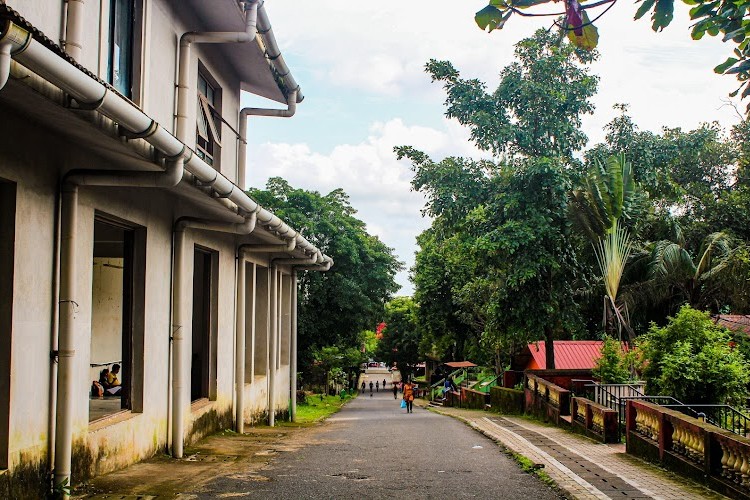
(360, 65)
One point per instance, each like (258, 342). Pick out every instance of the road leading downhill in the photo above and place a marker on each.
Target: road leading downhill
(374, 449)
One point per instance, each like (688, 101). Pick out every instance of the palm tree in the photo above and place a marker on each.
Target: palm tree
(608, 195)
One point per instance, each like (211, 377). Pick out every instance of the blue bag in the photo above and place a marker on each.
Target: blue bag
(403, 403)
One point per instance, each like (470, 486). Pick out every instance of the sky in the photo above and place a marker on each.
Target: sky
(361, 69)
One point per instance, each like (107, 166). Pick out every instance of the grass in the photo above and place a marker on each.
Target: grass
(317, 409)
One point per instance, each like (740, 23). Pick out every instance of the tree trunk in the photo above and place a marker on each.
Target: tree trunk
(549, 347)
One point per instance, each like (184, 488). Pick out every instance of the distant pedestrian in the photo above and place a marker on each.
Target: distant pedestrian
(363, 386)
(383, 384)
(409, 396)
(377, 386)
(371, 386)
(395, 390)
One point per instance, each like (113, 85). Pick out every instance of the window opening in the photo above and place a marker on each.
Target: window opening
(203, 362)
(111, 358)
(7, 252)
(262, 304)
(120, 53)
(208, 134)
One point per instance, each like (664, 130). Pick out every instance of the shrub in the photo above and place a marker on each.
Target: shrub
(613, 367)
(694, 360)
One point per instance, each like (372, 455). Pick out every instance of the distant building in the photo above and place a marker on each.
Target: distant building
(569, 355)
(735, 322)
(126, 236)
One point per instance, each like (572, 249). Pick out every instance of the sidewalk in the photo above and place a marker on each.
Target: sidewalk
(581, 467)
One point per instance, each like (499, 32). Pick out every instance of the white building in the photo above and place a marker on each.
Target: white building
(125, 236)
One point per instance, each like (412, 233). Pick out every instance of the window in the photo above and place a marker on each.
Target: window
(205, 291)
(7, 251)
(116, 318)
(121, 46)
(208, 135)
(262, 304)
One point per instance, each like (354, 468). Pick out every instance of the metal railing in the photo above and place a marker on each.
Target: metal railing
(615, 396)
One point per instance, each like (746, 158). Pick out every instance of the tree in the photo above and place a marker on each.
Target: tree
(694, 360)
(400, 342)
(335, 306)
(612, 367)
(537, 108)
(608, 195)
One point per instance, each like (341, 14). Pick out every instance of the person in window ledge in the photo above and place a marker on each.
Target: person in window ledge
(113, 383)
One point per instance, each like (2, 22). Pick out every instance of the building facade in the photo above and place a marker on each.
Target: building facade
(126, 237)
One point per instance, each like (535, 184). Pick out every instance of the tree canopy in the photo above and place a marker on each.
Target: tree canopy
(334, 306)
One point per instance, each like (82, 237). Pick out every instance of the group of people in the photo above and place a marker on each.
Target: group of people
(108, 383)
(407, 388)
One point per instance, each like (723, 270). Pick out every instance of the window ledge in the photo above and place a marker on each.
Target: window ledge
(115, 418)
(199, 404)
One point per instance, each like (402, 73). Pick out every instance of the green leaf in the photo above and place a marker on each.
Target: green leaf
(721, 68)
(645, 7)
(740, 68)
(491, 17)
(663, 14)
(589, 39)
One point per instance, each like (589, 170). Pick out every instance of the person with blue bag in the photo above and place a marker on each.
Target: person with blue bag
(408, 399)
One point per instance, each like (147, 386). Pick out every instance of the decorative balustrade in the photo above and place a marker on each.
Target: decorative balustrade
(580, 411)
(595, 420)
(547, 400)
(690, 446)
(688, 440)
(647, 422)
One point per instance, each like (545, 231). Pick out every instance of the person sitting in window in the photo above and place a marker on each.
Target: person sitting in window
(113, 386)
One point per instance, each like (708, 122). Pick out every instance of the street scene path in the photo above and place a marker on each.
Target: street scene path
(374, 449)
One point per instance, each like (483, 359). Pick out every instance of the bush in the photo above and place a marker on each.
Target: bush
(613, 367)
(694, 360)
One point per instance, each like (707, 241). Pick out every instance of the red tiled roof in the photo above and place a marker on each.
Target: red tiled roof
(569, 354)
(460, 364)
(737, 322)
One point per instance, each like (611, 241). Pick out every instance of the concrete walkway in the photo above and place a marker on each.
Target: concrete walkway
(581, 467)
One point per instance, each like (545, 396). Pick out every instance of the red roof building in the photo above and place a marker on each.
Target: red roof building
(569, 355)
(736, 322)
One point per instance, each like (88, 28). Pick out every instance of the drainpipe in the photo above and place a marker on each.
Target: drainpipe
(73, 43)
(272, 349)
(182, 326)
(15, 41)
(291, 103)
(184, 80)
(68, 305)
(293, 349)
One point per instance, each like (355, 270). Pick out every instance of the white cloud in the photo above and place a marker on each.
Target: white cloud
(378, 184)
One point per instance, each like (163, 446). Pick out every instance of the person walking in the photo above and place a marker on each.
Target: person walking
(383, 384)
(371, 386)
(363, 386)
(377, 386)
(409, 396)
(395, 390)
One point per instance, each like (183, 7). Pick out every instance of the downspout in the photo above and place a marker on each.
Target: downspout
(293, 349)
(291, 103)
(181, 326)
(184, 85)
(272, 349)
(73, 43)
(14, 41)
(68, 303)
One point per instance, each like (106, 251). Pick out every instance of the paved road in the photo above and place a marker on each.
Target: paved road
(374, 449)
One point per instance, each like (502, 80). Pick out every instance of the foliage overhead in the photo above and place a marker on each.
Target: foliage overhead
(400, 342)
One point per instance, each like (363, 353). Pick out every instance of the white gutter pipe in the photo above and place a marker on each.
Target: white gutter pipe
(4, 63)
(291, 103)
(185, 93)
(86, 90)
(274, 54)
(182, 326)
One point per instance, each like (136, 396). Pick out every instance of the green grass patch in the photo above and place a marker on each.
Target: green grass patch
(317, 409)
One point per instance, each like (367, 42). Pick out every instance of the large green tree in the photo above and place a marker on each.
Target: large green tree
(401, 338)
(334, 306)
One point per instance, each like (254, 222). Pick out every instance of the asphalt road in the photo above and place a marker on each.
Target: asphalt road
(374, 449)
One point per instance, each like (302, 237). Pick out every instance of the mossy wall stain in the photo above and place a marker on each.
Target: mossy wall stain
(30, 478)
(210, 422)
